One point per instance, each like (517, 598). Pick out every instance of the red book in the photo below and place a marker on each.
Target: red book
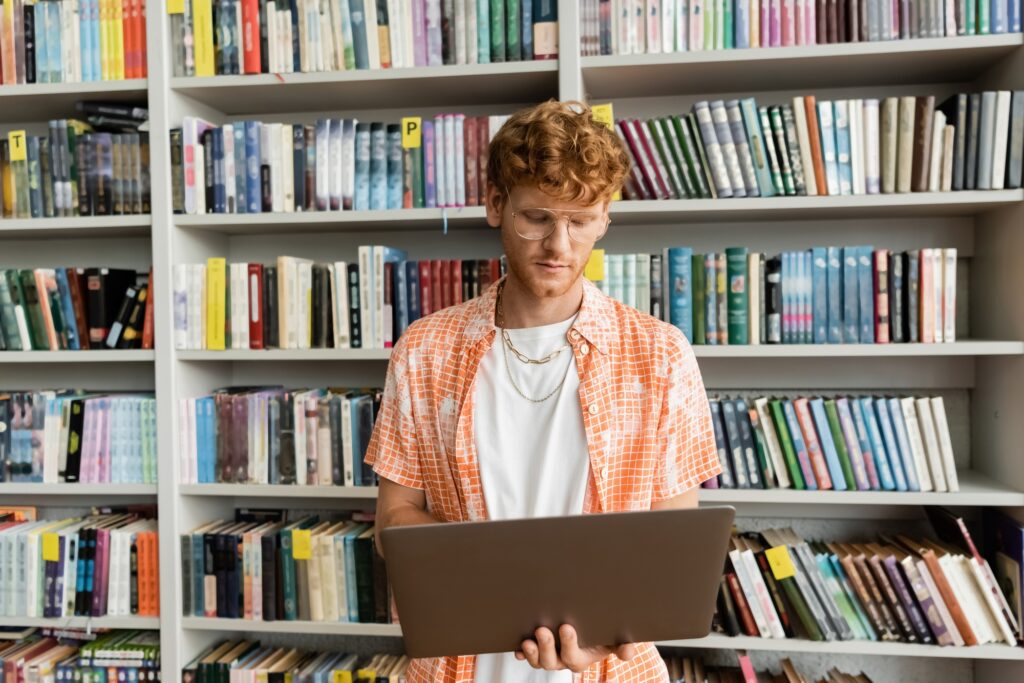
(745, 615)
(483, 145)
(446, 283)
(643, 185)
(128, 38)
(436, 286)
(255, 305)
(140, 27)
(147, 320)
(471, 140)
(656, 165)
(250, 36)
(456, 280)
(803, 416)
(426, 296)
(881, 273)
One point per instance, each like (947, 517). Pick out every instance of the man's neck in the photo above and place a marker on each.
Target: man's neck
(521, 308)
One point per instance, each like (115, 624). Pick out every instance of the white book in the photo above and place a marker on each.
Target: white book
(299, 417)
(286, 313)
(872, 168)
(643, 283)
(339, 284)
(336, 62)
(230, 188)
(76, 40)
(935, 160)
(287, 169)
(763, 596)
(804, 142)
(305, 39)
(324, 463)
(247, 304)
(962, 581)
(366, 306)
(668, 26)
(857, 150)
(948, 307)
(747, 585)
(348, 461)
(1002, 129)
(938, 293)
(395, 34)
(720, 119)
(460, 158)
(65, 428)
(460, 31)
(946, 175)
(439, 161)
(944, 615)
(945, 443)
(451, 180)
(304, 303)
(754, 298)
(272, 40)
(286, 37)
(772, 440)
(372, 40)
(682, 38)
(917, 448)
(324, 555)
(931, 443)
(273, 139)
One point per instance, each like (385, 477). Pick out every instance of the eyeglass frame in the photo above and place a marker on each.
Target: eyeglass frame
(558, 213)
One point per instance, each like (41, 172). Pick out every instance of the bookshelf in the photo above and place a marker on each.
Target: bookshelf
(986, 367)
(145, 623)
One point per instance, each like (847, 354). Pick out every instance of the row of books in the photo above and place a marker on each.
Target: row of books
(335, 164)
(272, 435)
(896, 588)
(74, 654)
(736, 148)
(691, 669)
(56, 309)
(622, 27)
(76, 436)
(101, 564)
(74, 172)
(297, 303)
(823, 295)
(71, 41)
(857, 443)
(264, 567)
(248, 37)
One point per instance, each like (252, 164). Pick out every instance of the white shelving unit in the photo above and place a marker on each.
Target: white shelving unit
(983, 373)
(146, 623)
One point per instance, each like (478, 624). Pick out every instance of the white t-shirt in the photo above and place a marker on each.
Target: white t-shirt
(533, 457)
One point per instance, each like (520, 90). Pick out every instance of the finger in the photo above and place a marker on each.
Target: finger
(549, 660)
(570, 653)
(519, 655)
(625, 652)
(531, 653)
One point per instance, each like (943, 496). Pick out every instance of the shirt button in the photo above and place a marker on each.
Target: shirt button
(593, 409)
(584, 349)
(574, 335)
(604, 472)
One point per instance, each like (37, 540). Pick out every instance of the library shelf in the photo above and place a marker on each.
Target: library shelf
(75, 227)
(43, 101)
(71, 490)
(89, 356)
(133, 622)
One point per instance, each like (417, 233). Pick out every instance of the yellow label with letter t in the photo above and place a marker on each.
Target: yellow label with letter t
(16, 140)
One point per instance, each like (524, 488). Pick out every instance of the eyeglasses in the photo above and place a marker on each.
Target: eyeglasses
(537, 223)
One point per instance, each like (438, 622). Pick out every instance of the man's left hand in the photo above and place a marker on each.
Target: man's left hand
(541, 652)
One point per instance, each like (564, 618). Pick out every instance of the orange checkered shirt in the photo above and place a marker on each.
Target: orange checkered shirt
(645, 414)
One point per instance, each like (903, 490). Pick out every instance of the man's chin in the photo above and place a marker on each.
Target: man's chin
(550, 286)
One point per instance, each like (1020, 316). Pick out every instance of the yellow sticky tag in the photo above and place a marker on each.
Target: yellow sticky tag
(603, 114)
(301, 546)
(51, 548)
(594, 270)
(780, 562)
(175, 6)
(17, 143)
(412, 132)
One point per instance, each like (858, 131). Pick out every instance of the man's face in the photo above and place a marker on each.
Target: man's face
(548, 267)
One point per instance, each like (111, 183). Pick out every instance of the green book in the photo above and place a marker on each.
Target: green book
(705, 168)
(840, 443)
(655, 129)
(787, 445)
(710, 12)
(984, 17)
(33, 311)
(676, 150)
(513, 30)
(971, 18)
(738, 296)
(769, 145)
(699, 292)
(781, 151)
(761, 445)
(483, 31)
(728, 37)
(839, 595)
(691, 162)
(497, 30)
(418, 194)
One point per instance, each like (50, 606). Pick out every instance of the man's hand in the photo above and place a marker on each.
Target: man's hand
(541, 653)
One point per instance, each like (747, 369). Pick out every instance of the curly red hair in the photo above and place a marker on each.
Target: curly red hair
(562, 150)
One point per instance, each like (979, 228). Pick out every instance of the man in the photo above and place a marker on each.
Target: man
(543, 396)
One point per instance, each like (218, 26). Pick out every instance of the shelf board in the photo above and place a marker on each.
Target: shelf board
(673, 212)
(43, 101)
(39, 489)
(975, 490)
(419, 87)
(75, 227)
(850, 647)
(311, 627)
(960, 348)
(898, 62)
(279, 491)
(146, 623)
(127, 356)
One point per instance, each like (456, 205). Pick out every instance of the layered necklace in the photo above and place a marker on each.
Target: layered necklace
(507, 346)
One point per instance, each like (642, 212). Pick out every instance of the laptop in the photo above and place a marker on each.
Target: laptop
(478, 587)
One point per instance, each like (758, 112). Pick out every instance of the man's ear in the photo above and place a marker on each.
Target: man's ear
(494, 202)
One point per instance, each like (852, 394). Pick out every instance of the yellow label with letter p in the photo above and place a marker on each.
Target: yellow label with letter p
(412, 132)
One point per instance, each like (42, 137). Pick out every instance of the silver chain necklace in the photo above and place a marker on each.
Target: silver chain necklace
(507, 345)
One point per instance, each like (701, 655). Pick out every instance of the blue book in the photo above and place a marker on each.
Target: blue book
(253, 199)
(845, 583)
(394, 172)
(1013, 16)
(870, 444)
(205, 415)
(429, 181)
(786, 281)
(378, 167)
(220, 201)
(904, 470)
(53, 41)
(758, 148)
(359, 44)
(834, 277)
(891, 453)
(527, 23)
(68, 310)
(828, 446)
(828, 146)
(483, 31)
(851, 299)
(741, 19)
(839, 593)
(401, 295)
(799, 447)
(858, 445)
(241, 201)
(710, 304)
(866, 291)
(680, 282)
(819, 289)
(35, 179)
(803, 265)
(362, 193)
(412, 281)
(999, 15)
(351, 590)
(843, 162)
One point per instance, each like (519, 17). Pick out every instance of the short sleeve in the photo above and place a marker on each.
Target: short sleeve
(686, 436)
(393, 451)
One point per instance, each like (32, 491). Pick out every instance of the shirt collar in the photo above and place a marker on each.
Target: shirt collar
(595, 321)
